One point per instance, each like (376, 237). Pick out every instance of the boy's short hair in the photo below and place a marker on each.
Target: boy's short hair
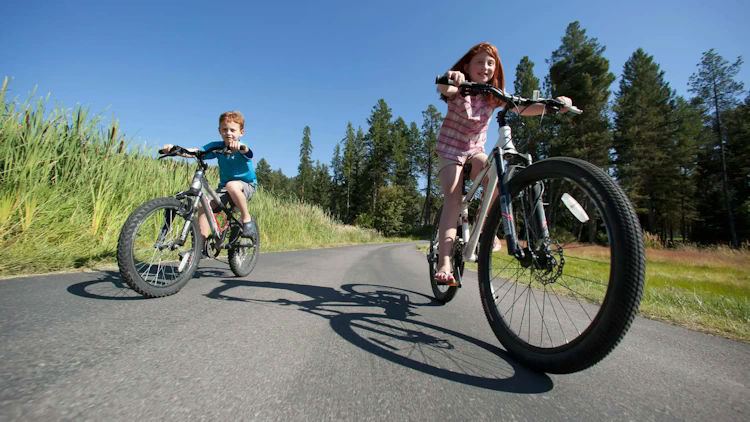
(233, 116)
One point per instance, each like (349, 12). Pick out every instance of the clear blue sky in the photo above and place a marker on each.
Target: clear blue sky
(167, 69)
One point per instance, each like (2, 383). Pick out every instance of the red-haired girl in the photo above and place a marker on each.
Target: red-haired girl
(462, 137)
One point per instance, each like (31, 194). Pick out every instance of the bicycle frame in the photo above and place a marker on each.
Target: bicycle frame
(202, 193)
(498, 174)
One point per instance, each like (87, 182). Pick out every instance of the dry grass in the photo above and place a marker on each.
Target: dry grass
(710, 257)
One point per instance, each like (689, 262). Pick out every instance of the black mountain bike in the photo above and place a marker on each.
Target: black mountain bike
(160, 243)
(566, 287)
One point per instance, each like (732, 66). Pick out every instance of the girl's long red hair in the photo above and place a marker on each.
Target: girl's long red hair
(497, 80)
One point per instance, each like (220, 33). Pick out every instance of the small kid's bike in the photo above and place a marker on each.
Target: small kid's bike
(566, 288)
(160, 244)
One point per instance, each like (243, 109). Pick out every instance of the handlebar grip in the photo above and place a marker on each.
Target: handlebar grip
(574, 110)
(443, 80)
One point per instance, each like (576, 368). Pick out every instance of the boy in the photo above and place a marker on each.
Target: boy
(236, 174)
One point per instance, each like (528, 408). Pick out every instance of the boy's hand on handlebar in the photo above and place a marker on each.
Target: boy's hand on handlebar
(235, 146)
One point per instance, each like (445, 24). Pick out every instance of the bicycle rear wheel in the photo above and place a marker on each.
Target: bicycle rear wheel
(442, 292)
(151, 259)
(243, 251)
(567, 304)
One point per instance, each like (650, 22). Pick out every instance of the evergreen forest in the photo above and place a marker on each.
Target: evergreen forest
(684, 162)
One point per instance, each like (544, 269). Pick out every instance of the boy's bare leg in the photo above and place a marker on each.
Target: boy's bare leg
(238, 199)
(203, 222)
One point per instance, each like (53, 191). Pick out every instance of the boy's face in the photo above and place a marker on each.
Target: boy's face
(230, 131)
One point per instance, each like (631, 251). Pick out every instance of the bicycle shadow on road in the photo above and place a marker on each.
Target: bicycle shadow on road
(384, 321)
(110, 286)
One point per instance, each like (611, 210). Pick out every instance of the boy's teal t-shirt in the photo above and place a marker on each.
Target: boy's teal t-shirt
(237, 166)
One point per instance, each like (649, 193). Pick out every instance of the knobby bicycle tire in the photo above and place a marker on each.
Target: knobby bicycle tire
(147, 254)
(243, 251)
(564, 311)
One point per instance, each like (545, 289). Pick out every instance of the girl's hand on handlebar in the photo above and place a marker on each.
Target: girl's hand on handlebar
(456, 78)
(565, 100)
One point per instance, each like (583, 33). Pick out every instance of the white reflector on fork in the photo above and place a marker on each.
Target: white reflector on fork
(575, 208)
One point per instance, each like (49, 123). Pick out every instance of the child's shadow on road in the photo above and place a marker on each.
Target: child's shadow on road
(385, 321)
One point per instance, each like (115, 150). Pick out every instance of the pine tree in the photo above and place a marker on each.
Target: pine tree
(687, 123)
(579, 71)
(406, 146)
(353, 173)
(643, 136)
(432, 120)
(305, 169)
(337, 199)
(263, 173)
(738, 165)
(379, 148)
(320, 191)
(715, 88)
(527, 131)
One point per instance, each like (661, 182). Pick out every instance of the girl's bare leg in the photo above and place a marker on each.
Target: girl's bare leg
(450, 178)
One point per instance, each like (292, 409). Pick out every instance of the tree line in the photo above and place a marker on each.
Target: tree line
(682, 161)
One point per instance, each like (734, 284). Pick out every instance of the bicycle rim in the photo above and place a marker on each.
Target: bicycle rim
(243, 253)
(158, 259)
(568, 303)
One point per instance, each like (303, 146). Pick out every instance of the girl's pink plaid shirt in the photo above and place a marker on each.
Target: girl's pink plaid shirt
(464, 129)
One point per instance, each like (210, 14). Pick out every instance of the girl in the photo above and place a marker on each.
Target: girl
(462, 137)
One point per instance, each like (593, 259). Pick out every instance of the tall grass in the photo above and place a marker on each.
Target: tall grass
(68, 183)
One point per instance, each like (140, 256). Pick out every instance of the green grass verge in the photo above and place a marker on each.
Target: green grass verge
(705, 290)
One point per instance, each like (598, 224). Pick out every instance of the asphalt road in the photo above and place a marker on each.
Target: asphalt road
(329, 334)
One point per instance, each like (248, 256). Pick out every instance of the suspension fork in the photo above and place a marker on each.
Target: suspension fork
(506, 207)
(540, 219)
(536, 210)
(189, 219)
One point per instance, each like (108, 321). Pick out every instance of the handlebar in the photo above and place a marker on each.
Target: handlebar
(177, 150)
(473, 88)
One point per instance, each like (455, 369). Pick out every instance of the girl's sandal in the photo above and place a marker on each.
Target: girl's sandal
(497, 246)
(444, 278)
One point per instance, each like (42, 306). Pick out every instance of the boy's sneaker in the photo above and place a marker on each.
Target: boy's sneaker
(248, 229)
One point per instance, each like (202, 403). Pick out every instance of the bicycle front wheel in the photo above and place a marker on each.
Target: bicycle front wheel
(153, 260)
(569, 301)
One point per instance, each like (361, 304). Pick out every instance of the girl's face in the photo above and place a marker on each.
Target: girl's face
(481, 68)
